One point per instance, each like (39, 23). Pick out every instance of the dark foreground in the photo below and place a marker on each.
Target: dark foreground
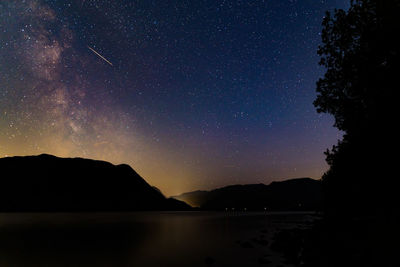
(145, 239)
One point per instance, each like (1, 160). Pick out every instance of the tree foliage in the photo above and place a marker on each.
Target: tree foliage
(360, 51)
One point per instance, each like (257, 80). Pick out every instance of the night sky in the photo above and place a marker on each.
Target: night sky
(192, 94)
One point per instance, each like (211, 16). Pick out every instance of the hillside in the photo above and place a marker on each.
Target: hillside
(294, 194)
(49, 183)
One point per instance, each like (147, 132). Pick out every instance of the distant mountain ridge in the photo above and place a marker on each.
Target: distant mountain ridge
(293, 194)
(49, 183)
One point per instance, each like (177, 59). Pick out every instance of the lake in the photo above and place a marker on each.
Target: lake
(143, 238)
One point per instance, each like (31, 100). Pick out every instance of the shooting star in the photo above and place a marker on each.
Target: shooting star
(103, 58)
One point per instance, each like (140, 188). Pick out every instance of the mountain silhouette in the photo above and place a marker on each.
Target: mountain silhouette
(294, 195)
(49, 183)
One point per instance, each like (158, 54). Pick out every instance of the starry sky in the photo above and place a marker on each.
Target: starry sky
(192, 94)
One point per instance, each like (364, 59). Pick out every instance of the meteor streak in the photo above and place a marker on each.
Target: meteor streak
(103, 58)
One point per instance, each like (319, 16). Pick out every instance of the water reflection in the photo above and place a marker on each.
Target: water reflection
(133, 239)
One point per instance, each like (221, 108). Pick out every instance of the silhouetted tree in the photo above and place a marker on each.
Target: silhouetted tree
(360, 51)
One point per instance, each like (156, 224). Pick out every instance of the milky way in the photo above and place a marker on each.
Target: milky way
(191, 95)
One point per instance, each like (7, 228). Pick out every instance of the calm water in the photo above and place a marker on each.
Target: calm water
(140, 239)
